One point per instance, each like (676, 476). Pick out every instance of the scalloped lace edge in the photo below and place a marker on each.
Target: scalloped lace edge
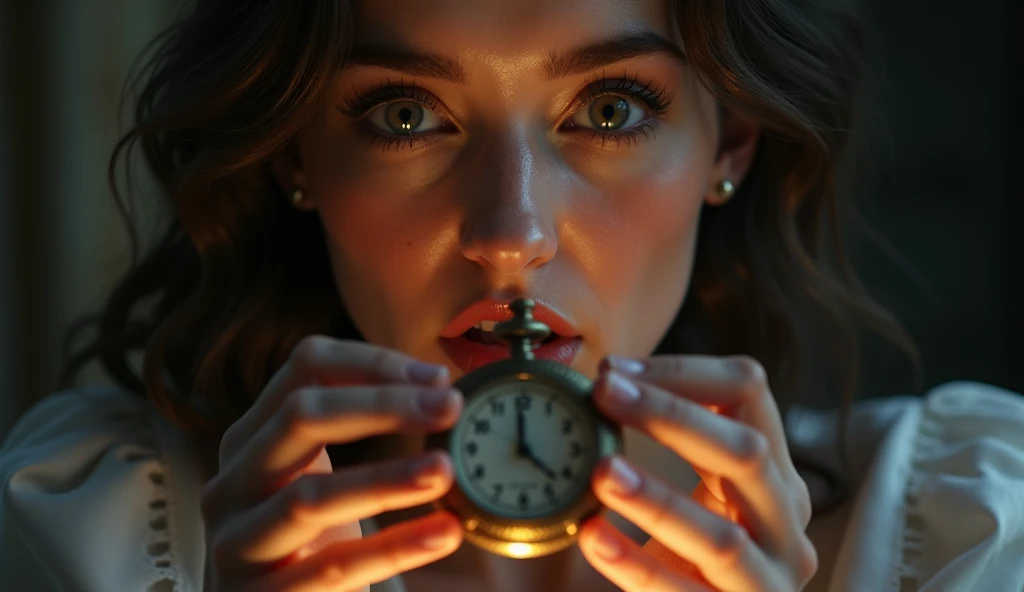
(159, 547)
(929, 436)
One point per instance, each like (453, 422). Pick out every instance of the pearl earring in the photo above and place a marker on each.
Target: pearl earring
(298, 198)
(724, 190)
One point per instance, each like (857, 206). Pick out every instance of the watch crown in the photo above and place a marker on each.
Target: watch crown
(522, 332)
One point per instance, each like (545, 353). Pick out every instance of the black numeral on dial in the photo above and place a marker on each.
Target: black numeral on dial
(524, 500)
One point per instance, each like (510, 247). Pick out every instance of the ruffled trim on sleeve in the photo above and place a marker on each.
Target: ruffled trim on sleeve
(85, 503)
(963, 516)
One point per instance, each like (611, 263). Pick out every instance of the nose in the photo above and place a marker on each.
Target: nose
(509, 222)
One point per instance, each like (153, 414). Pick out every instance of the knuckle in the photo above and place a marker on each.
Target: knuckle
(804, 505)
(302, 406)
(393, 551)
(670, 366)
(750, 374)
(331, 574)
(310, 352)
(679, 411)
(393, 398)
(387, 363)
(754, 451)
(304, 496)
(646, 575)
(807, 560)
(730, 543)
(229, 441)
(664, 501)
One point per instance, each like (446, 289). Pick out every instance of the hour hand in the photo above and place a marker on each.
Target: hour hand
(540, 465)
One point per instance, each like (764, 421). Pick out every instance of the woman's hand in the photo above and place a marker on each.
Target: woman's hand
(278, 518)
(743, 528)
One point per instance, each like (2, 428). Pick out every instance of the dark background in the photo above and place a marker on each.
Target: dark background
(946, 191)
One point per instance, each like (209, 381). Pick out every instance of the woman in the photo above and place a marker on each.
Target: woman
(350, 188)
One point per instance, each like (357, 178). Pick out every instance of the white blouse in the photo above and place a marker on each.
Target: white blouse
(100, 492)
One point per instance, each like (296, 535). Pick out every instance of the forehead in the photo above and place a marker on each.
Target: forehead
(488, 30)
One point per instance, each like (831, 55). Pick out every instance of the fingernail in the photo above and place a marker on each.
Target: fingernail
(622, 390)
(607, 546)
(625, 479)
(425, 471)
(626, 365)
(428, 374)
(435, 402)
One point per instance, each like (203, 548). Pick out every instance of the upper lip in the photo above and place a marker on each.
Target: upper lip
(490, 309)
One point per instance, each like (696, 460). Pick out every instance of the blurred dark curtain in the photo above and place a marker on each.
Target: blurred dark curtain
(948, 196)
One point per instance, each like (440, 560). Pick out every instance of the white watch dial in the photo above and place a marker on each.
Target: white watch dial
(524, 449)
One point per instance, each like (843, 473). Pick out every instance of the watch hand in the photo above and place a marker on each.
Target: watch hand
(540, 465)
(527, 451)
(521, 448)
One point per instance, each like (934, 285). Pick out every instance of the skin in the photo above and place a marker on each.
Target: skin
(510, 201)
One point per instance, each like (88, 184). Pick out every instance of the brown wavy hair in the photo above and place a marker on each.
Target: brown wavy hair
(238, 276)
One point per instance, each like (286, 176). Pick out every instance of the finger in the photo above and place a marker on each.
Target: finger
(711, 442)
(300, 513)
(737, 385)
(800, 556)
(353, 565)
(319, 360)
(721, 549)
(626, 565)
(313, 417)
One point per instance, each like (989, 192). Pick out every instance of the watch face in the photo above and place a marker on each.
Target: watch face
(524, 449)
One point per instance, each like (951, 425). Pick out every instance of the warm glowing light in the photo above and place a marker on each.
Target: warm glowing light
(519, 550)
(571, 529)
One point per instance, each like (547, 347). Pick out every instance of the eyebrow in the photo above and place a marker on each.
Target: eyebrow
(558, 64)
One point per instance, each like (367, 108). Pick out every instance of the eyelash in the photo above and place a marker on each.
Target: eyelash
(649, 94)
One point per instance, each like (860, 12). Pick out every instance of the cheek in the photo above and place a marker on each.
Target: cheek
(638, 250)
(387, 240)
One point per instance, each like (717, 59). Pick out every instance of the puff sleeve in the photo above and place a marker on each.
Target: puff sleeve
(942, 508)
(86, 501)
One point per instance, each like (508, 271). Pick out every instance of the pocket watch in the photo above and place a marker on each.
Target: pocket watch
(525, 447)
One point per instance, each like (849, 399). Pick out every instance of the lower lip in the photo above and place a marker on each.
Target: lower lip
(469, 355)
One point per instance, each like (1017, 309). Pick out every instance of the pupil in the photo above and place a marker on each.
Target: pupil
(610, 113)
(403, 117)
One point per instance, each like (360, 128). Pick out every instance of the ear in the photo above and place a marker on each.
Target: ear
(738, 139)
(288, 172)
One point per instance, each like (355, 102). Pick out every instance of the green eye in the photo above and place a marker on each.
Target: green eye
(404, 118)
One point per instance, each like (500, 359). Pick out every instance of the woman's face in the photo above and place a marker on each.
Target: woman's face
(477, 152)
